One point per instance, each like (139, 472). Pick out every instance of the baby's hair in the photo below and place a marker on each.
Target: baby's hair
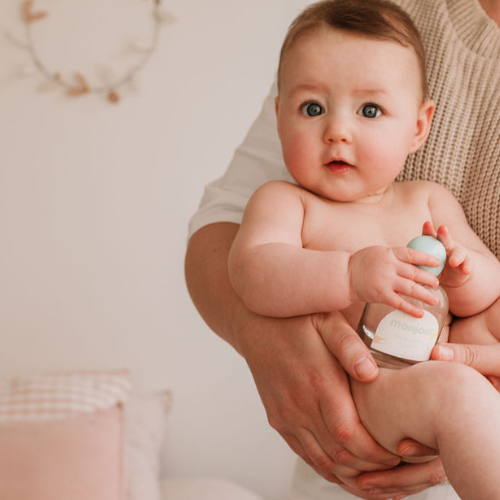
(378, 19)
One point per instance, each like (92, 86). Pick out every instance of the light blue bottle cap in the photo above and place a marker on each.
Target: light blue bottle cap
(433, 247)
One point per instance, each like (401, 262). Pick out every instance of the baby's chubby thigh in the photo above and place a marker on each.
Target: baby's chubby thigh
(411, 402)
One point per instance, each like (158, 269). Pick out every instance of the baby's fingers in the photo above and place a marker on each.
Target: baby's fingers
(458, 257)
(411, 289)
(428, 229)
(399, 302)
(405, 289)
(413, 275)
(415, 257)
(443, 235)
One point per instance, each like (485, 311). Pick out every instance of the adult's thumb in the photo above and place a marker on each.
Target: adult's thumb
(483, 358)
(346, 346)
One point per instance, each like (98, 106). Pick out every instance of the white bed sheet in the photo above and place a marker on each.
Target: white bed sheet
(204, 489)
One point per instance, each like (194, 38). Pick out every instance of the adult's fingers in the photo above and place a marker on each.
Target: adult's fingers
(337, 462)
(346, 346)
(354, 447)
(297, 447)
(307, 396)
(322, 425)
(483, 358)
(340, 415)
(406, 479)
(367, 496)
(408, 448)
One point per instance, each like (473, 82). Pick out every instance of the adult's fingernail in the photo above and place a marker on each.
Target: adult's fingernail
(445, 353)
(409, 451)
(365, 368)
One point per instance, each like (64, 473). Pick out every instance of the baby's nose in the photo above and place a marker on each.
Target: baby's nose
(337, 130)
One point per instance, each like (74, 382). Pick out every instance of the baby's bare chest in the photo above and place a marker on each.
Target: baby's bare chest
(335, 226)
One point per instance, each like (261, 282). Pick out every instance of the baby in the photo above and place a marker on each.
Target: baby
(352, 105)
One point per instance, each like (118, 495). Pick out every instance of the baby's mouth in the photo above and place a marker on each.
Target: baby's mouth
(339, 165)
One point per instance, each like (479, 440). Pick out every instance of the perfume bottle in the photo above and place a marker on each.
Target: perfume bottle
(396, 339)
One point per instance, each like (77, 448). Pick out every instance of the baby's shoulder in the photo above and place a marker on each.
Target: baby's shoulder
(276, 194)
(437, 198)
(278, 188)
(422, 188)
(277, 185)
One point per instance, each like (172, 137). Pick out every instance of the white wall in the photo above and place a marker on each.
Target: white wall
(94, 205)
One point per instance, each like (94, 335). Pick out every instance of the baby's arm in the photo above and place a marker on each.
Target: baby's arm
(472, 274)
(275, 276)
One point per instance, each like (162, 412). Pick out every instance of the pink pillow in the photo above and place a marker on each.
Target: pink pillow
(61, 437)
(145, 425)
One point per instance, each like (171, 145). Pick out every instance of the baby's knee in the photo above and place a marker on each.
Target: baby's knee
(456, 386)
(448, 375)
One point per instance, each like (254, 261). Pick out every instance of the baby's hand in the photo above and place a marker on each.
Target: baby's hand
(384, 275)
(458, 265)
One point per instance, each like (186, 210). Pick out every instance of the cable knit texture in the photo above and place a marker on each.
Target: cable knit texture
(463, 149)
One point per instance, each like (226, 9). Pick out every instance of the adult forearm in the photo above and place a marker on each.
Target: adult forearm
(208, 281)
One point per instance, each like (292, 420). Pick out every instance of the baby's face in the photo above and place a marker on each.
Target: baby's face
(347, 113)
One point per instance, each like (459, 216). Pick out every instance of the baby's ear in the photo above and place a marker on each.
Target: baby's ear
(423, 127)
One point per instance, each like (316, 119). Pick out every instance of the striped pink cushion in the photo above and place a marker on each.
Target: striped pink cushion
(61, 395)
(61, 436)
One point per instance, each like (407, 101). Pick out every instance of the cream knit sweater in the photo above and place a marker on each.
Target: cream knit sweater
(463, 150)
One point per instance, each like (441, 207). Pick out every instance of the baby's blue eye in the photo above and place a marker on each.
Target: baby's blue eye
(312, 109)
(370, 111)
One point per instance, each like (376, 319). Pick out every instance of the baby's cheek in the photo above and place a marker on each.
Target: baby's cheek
(387, 148)
(296, 153)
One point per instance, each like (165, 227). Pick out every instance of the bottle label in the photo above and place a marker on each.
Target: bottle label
(402, 335)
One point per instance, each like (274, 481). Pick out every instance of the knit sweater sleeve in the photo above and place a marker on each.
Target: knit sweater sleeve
(463, 150)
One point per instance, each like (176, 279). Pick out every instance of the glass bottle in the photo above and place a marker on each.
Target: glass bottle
(396, 339)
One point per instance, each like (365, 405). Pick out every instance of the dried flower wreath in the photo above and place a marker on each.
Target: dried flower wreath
(81, 85)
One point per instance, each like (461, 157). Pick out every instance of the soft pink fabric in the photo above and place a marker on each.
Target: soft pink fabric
(60, 395)
(78, 458)
(145, 425)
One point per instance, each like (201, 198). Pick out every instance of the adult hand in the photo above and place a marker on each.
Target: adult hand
(407, 479)
(394, 483)
(307, 398)
(306, 393)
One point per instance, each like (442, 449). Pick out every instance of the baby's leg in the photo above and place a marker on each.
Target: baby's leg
(483, 328)
(446, 406)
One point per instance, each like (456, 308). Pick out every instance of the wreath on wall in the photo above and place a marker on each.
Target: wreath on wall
(79, 85)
